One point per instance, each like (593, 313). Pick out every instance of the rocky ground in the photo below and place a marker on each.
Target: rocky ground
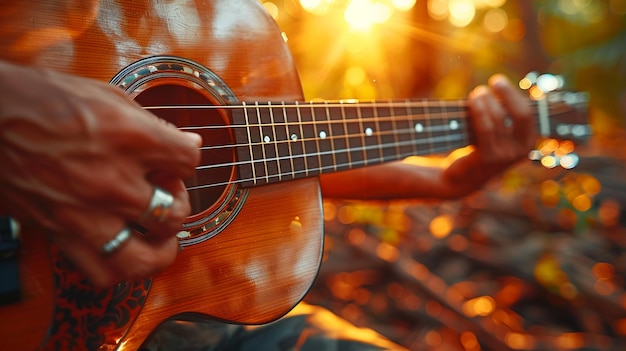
(534, 261)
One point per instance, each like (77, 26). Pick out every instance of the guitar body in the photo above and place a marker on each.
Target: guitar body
(251, 254)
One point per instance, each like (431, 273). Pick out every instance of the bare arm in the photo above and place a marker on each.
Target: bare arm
(464, 170)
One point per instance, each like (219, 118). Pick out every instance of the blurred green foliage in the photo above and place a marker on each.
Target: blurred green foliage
(587, 42)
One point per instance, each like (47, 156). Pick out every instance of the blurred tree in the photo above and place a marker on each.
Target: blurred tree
(587, 40)
(343, 50)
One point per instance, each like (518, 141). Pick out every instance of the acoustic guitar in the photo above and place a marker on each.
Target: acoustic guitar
(254, 243)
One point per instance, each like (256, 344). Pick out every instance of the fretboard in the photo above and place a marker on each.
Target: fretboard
(281, 141)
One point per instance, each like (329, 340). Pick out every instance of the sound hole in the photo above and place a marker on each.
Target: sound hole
(213, 178)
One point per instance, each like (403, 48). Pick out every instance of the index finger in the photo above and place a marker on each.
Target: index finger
(176, 152)
(150, 141)
(163, 148)
(518, 107)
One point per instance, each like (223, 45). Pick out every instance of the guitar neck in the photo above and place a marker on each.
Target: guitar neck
(282, 141)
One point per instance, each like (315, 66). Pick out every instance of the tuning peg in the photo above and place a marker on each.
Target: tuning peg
(560, 114)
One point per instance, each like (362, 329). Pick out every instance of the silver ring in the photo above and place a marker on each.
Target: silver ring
(117, 241)
(508, 123)
(159, 207)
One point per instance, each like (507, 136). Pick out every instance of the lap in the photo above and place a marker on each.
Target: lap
(306, 327)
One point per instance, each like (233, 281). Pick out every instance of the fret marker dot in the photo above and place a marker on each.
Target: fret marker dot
(323, 134)
(294, 137)
(454, 125)
(267, 139)
(419, 128)
(369, 131)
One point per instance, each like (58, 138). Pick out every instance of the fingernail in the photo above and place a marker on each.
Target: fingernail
(477, 97)
(195, 137)
(499, 81)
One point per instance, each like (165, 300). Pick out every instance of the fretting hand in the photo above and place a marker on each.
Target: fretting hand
(504, 131)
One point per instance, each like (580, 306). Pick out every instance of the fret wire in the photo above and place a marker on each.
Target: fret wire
(289, 139)
(258, 113)
(310, 142)
(429, 124)
(245, 111)
(369, 125)
(331, 135)
(282, 139)
(387, 123)
(306, 160)
(394, 126)
(377, 124)
(409, 112)
(275, 139)
(453, 124)
(360, 120)
(442, 110)
(317, 142)
(346, 133)
(338, 135)
(354, 130)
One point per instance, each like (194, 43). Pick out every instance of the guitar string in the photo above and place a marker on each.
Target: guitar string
(349, 150)
(393, 119)
(412, 142)
(320, 169)
(356, 104)
(340, 103)
(323, 168)
(447, 115)
(444, 141)
(410, 132)
(328, 122)
(396, 118)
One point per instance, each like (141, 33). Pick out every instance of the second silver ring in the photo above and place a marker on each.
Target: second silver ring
(159, 207)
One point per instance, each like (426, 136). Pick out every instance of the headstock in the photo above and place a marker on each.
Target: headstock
(564, 116)
(562, 119)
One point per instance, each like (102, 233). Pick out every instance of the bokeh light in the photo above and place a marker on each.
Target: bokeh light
(462, 12)
(495, 20)
(403, 5)
(479, 306)
(272, 9)
(363, 14)
(441, 226)
(317, 7)
(438, 9)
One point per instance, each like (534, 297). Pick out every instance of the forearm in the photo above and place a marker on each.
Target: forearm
(504, 133)
(396, 180)
(455, 176)
(415, 177)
